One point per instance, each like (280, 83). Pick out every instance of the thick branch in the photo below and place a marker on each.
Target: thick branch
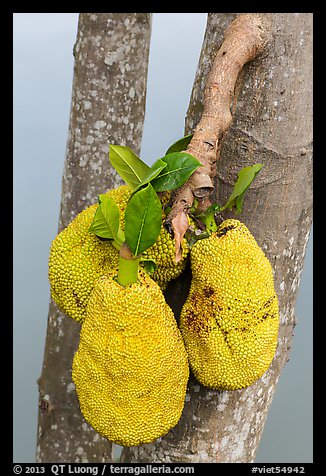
(102, 96)
(245, 38)
(272, 125)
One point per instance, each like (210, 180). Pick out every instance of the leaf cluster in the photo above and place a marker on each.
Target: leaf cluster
(143, 215)
(206, 221)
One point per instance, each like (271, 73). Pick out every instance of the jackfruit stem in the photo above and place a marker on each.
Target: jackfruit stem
(128, 266)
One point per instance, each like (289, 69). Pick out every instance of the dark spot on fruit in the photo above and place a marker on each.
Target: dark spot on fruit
(224, 230)
(77, 300)
(269, 301)
(225, 335)
(208, 291)
(219, 307)
(194, 322)
(103, 262)
(196, 319)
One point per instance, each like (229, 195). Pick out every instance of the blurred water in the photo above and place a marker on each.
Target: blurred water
(43, 69)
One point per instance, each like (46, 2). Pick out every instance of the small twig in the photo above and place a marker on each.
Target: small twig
(245, 38)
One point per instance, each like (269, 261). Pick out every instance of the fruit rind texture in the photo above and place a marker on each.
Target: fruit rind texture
(230, 319)
(131, 367)
(77, 259)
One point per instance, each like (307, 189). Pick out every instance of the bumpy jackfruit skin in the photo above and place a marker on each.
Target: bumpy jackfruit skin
(230, 319)
(163, 253)
(131, 367)
(78, 258)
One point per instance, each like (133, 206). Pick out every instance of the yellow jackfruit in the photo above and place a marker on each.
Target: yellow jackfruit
(78, 258)
(230, 321)
(131, 367)
(163, 253)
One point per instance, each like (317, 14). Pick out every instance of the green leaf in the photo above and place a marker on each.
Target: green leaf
(143, 218)
(245, 179)
(130, 167)
(193, 237)
(99, 225)
(179, 168)
(149, 265)
(180, 144)
(167, 210)
(207, 218)
(106, 220)
(153, 172)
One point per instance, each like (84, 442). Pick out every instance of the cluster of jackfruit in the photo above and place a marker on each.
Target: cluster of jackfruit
(229, 321)
(78, 258)
(131, 368)
(132, 365)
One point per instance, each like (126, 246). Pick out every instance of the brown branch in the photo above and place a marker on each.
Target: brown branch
(245, 38)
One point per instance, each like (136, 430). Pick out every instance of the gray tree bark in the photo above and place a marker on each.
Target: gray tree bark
(108, 106)
(272, 111)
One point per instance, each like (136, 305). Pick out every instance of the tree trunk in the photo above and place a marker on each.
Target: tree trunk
(108, 106)
(272, 124)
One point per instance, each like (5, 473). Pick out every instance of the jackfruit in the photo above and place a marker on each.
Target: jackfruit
(131, 367)
(230, 321)
(78, 258)
(163, 253)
